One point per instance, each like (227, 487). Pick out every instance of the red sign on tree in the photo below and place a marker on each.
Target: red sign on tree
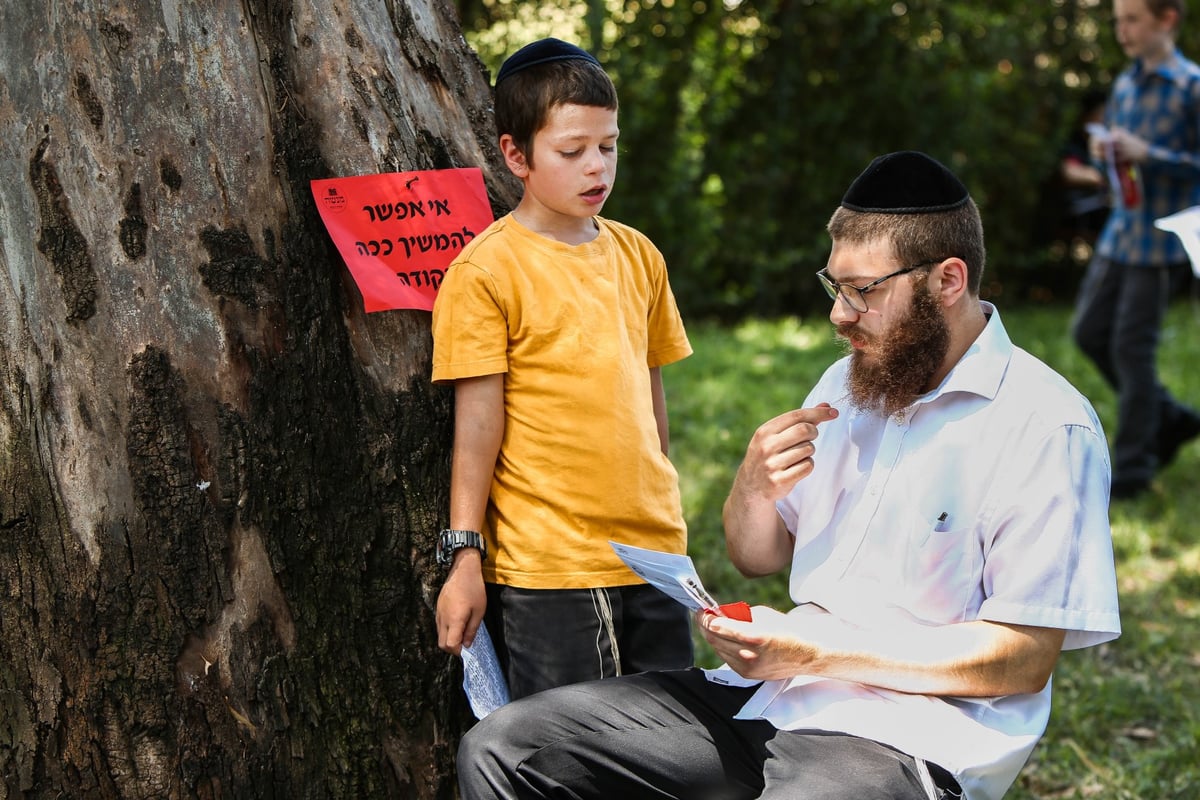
(398, 231)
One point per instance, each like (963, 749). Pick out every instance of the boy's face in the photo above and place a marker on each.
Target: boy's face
(1140, 33)
(574, 164)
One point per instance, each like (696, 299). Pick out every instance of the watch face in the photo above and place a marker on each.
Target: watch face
(450, 541)
(445, 551)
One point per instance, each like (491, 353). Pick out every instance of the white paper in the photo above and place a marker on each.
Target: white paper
(1101, 134)
(1186, 225)
(674, 575)
(483, 681)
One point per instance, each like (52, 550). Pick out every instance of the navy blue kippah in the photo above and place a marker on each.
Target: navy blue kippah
(542, 51)
(907, 182)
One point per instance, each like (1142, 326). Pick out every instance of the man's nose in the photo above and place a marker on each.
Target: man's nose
(842, 311)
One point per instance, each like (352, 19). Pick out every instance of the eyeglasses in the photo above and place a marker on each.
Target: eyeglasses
(858, 299)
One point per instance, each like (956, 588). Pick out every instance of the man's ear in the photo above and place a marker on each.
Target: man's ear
(951, 280)
(514, 157)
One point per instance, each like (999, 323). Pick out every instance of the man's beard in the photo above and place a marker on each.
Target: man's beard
(903, 361)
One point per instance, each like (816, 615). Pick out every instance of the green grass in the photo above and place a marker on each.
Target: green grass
(1126, 719)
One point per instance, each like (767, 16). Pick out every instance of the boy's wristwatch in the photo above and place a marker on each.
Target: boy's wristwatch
(451, 541)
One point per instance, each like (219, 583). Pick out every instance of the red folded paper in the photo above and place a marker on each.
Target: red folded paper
(739, 611)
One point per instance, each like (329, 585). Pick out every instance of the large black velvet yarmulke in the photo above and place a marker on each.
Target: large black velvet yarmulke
(541, 52)
(906, 182)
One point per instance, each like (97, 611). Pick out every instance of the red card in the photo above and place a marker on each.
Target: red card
(398, 231)
(739, 611)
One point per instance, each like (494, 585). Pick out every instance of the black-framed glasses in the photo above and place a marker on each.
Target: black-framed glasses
(858, 299)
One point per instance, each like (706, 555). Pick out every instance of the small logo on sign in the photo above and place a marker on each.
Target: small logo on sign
(334, 201)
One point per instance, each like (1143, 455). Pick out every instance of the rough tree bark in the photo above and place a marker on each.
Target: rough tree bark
(219, 479)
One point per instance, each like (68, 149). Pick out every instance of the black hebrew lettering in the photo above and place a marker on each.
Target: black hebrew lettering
(423, 243)
(378, 211)
(375, 248)
(424, 277)
(440, 241)
(408, 210)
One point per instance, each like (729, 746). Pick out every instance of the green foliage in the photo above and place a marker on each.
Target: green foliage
(1126, 717)
(743, 122)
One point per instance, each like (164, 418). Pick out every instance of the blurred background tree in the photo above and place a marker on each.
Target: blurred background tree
(742, 122)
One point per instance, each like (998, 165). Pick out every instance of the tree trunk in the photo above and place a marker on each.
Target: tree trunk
(220, 480)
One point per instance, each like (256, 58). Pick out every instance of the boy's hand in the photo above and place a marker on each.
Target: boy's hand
(1129, 147)
(461, 602)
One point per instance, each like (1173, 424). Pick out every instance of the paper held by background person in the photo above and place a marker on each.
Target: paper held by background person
(676, 576)
(1186, 225)
(1123, 176)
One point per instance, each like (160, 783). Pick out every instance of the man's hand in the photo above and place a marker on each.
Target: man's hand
(461, 602)
(780, 453)
(779, 456)
(964, 659)
(765, 649)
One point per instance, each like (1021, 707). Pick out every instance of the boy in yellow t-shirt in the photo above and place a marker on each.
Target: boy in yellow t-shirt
(553, 325)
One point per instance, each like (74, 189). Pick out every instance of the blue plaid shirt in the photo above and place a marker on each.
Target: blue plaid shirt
(1161, 106)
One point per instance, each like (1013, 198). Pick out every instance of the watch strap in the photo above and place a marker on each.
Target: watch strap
(451, 541)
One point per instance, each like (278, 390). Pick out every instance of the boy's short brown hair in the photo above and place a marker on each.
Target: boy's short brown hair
(524, 99)
(1160, 7)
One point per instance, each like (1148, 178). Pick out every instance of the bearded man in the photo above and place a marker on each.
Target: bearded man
(941, 500)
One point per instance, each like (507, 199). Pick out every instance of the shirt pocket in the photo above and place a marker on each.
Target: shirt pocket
(939, 571)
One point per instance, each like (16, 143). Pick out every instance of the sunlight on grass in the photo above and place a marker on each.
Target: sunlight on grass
(1126, 718)
(789, 332)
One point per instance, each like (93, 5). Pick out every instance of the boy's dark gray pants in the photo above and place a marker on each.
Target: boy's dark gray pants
(669, 735)
(551, 637)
